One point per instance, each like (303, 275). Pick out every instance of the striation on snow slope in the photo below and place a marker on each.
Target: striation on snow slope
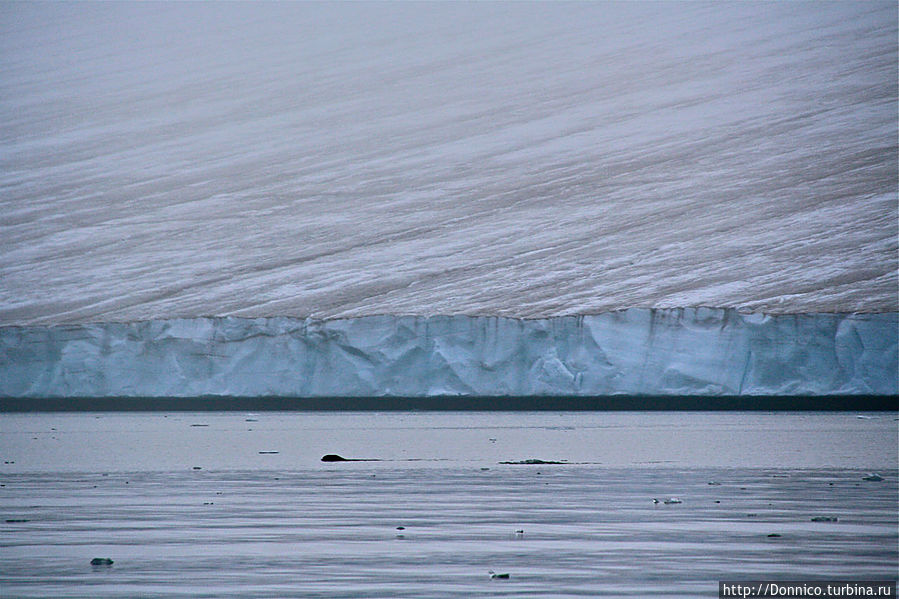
(526, 160)
(652, 352)
(283, 198)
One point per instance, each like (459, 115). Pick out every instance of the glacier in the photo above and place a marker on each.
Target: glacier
(518, 159)
(692, 351)
(423, 199)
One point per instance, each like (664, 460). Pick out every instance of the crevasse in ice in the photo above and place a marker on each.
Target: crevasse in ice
(689, 351)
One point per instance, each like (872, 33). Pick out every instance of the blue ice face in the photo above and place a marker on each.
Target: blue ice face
(656, 352)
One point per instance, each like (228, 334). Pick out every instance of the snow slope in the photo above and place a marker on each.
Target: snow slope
(448, 198)
(660, 352)
(533, 160)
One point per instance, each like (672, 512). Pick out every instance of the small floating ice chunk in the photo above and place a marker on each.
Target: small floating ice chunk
(873, 477)
(503, 576)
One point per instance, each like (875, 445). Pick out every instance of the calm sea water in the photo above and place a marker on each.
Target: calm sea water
(240, 505)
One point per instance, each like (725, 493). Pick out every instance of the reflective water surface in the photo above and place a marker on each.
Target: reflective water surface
(199, 505)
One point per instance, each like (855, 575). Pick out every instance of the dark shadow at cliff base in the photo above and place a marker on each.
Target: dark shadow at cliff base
(450, 403)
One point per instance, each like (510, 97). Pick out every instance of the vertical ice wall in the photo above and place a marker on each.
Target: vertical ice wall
(660, 352)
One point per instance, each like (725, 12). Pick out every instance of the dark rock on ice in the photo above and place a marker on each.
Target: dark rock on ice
(773, 535)
(824, 519)
(333, 457)
(504, 576)
(533, 462)
(101, 561)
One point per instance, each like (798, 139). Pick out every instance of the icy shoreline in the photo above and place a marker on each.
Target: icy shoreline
(687, 351)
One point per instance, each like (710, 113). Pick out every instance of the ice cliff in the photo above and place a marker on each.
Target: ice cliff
(691, 351)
